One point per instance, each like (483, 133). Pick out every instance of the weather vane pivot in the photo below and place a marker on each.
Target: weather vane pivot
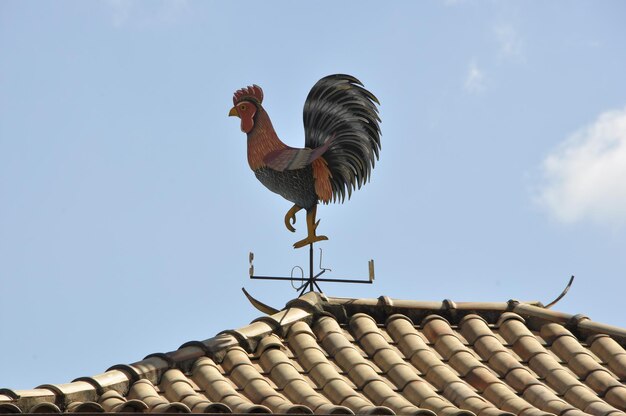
(341, 139)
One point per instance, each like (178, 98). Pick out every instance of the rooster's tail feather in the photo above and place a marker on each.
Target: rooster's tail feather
(339, 109)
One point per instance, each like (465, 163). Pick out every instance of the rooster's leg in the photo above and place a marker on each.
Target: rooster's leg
(290, 217)
(311, 225)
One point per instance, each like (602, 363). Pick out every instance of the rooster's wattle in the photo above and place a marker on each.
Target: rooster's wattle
(342, 142)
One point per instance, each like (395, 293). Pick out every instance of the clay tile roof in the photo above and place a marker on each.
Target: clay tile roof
(369, 356)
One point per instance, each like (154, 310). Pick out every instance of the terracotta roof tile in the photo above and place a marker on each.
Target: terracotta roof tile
(9, 408)
(220, 390)
(287, 377)
(369, 356)
(113, 401)
(45, 407)
(611, 353)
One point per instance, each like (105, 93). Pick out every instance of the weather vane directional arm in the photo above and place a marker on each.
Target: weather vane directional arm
(308, 284)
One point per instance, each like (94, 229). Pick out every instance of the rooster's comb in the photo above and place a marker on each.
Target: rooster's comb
(254, 93)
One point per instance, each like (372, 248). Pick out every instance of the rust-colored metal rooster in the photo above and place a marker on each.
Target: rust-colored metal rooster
(342, 142)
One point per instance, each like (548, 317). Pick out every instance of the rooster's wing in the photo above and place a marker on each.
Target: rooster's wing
(292, 158)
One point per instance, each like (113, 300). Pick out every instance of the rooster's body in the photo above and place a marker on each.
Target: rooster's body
(342, 141)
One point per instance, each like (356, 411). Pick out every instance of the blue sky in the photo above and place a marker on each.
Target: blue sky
(127, 209)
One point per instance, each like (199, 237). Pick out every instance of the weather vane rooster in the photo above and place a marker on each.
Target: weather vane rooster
(341, 139)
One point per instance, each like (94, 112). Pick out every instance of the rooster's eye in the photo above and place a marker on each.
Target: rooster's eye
(242, 107)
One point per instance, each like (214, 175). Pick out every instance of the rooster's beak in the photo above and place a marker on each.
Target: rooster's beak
(233, 112)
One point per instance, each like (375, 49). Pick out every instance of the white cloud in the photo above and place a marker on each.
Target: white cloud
(511, 44)
(475, 78)
(146, 13)
(585, 178)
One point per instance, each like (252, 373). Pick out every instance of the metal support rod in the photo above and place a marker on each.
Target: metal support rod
(311, 261)
(303, 289)
(309, 284)
(316, 279)
(311, 280)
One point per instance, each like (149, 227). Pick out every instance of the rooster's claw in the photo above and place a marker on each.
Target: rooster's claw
(310, 240)
(290, 218)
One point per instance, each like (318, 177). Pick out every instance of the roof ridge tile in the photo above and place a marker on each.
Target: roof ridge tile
(10, 393)
(249, 345)
(131, 372)
(152, 367)
(68, 393)
(109, 380)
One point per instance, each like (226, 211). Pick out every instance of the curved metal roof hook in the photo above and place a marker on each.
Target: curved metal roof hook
(563, 293)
